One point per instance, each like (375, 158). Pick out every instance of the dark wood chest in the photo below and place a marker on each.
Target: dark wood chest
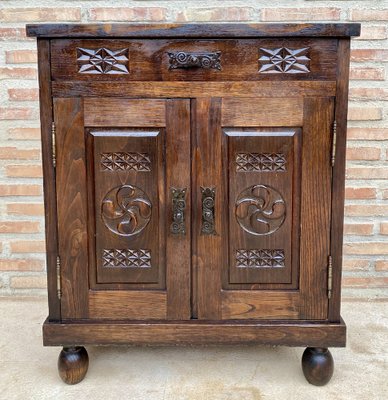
(194, 185)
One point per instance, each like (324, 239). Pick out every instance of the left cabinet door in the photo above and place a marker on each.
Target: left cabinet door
(123, 200)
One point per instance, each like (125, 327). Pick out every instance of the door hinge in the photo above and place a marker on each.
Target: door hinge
(330, 277)
(334, 143)
(53, 138)
(59, 289)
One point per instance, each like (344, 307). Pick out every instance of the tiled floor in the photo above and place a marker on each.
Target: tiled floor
(28, 370)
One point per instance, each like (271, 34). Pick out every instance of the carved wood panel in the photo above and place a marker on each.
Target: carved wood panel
(102, 61)
(128, 170)
(284, 60)
(264, 210)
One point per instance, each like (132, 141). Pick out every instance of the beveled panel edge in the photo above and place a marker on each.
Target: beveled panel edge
(225, 30)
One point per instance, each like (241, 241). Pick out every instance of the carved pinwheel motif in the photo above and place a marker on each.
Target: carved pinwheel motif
(102, 61)
(260, 210)
(284, 60)
(126, 210)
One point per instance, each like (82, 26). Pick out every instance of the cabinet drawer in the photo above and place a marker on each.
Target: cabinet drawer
(194, 60)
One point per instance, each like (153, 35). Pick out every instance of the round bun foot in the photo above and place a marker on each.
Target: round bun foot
(317, 365)
(73, 364)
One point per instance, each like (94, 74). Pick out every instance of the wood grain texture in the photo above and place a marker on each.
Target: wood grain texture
(338, 185)
(72, 206)
(248, 304)
(207, 252)
(195, 89)
(194, 30)
(262, 112)
(178, 250)
(148, 60)
(124, 113)
(134, 304)
(50, 206)
(315, 207)
(294, 333)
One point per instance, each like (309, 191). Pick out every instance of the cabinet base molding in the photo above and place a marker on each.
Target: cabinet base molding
(194, 332)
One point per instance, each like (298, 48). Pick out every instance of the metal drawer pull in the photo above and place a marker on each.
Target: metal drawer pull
(205, 60)
(208, 202)
(178, 211)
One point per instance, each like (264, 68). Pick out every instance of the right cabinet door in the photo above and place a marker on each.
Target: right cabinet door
(266, 254)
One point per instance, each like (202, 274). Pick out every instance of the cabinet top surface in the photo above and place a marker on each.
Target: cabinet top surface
(221, 30)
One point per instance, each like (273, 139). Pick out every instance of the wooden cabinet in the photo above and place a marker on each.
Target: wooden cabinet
(194, 185)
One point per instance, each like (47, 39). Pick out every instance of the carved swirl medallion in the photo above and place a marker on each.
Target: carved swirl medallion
(126, 210)
(260, 210)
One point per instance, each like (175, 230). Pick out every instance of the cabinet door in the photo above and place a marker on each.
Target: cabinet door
(265, 166)
(123, 190)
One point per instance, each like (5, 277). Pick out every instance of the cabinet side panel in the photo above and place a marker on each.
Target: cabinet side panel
(72, 206)
(339, 177)
(46, 115)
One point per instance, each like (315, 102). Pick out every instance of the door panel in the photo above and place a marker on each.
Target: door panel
(129, 179)
(264, 188)
(115, 200)
(275, 230)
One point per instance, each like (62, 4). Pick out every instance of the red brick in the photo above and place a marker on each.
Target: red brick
(381, 265)
(216, 14)
(20, 190)
(373, 74)
(369, 15)
(40, 14)
(364, 282)
(23, 94)
(360, 193)
(377, 32)
(21, 56)
(128, 14)
(384, 228)
(24, 133)
(28, 246)
(24, 171)
(301, 14)
(365, 114)
(21, 265)
(361, 55)
(19, 227)
(14, 34)
(355, 264)
(363, 153)
(17, 113)
(367, 134)
(365, 210)
(371, 248)
(18, 73)
(29, 282)
(367, 173)
(385, 194)
(13, 153)
(368, 94)
(25, 208)
(358, 229)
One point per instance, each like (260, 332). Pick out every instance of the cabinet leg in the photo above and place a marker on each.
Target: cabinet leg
(73, 364)
(317, 365)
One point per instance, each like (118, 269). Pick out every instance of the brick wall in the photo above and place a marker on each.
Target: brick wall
(22, 262)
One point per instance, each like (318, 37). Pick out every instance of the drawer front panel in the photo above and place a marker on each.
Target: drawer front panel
(199, 60)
